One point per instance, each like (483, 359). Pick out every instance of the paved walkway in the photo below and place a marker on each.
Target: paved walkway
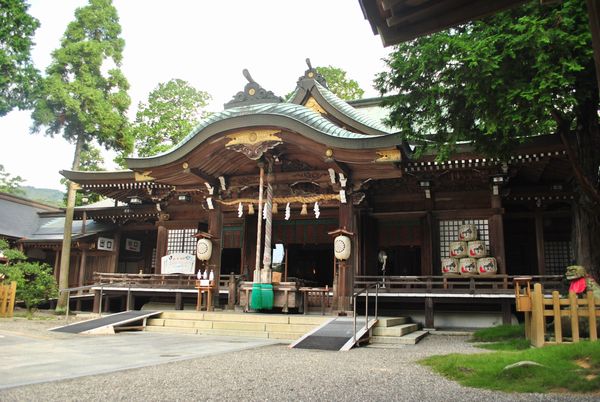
(27, 360)
(203, 368)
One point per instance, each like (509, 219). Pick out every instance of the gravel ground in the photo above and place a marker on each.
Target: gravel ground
(276, 373)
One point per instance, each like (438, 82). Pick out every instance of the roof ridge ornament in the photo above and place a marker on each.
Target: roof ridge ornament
(312, 74)
(252, 94)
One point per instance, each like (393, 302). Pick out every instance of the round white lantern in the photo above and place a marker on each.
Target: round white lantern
(204, 249)
(341, 247)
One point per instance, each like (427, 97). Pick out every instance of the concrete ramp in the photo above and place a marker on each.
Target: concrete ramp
(336, 334)
(106, 324)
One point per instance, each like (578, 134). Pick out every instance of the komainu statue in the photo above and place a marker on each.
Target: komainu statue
(581, 282)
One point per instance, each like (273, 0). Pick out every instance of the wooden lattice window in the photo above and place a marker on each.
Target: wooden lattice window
(449, 233)
(557, 256)
(181, 241)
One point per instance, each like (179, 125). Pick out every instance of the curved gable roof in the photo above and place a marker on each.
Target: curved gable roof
(294, 117)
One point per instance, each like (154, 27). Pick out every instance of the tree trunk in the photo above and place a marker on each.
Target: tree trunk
(586, 237)
(65, 256)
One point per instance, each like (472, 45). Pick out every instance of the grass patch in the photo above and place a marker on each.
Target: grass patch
(511, 344)
(499, 333)
(567, 367)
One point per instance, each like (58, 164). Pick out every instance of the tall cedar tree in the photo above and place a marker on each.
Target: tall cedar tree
(18, 77)
(524, 72)
(174, 108)
(84, 96)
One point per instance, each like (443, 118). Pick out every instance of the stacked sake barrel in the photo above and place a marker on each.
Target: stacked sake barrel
(468, 256)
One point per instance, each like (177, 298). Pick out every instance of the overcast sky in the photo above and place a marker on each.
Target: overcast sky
(206, 43)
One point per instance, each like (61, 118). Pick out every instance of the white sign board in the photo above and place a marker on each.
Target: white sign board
(133, 245)
(178, 263)
(104, 243)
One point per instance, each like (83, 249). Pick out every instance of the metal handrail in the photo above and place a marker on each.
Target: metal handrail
(69, 290)
(354, 297)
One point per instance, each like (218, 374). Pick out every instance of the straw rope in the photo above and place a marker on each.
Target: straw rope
(281, 200)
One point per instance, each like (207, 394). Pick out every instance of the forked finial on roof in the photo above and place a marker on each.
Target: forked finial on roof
(312, 74)
(252, 94)
(248, 76)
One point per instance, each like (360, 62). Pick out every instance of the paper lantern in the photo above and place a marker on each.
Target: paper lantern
(342, 248)
(204, 249)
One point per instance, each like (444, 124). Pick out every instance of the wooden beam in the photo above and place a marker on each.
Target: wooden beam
(539, 241)
(202, 175)
(317, 176)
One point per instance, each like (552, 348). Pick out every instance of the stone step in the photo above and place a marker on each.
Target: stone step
(244, 317)
(391, 321)
(409, 339)
(398, 330)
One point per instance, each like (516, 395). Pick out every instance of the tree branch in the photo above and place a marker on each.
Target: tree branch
(583, 181)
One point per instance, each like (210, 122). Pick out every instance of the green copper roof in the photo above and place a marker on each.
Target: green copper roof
(349, 111)
(297, 112)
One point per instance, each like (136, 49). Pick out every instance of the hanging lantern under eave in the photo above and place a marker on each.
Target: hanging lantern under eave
(204, 249)
(342, 247)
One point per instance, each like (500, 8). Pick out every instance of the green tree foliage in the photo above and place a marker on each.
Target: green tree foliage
(173, 109)
(495, 82)
(91, 160)
(84, 96)
(344, 88)
(18, 75)
(35, 282)
(10, 184)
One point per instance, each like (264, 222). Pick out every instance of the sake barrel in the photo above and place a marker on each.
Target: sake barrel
(458, 249)
(468, 266)
(449, 265)
(487, 266)
(467, 232)
(477, 249)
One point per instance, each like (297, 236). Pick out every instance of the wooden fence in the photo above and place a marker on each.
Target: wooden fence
(537, 307)
(7, 299)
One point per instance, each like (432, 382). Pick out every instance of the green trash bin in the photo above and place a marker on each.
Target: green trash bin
(256, 297)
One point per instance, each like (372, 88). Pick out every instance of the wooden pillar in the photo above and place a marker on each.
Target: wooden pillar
(249, 246)
(130, 302)
(96, 306)
(506, 312)
(346, 268)
(427, 248)
(215, 229)
(82, 266)
(161, 246)
(429, 322)
(116, 251)
(497, 234)
(178, 301)
(539, 241)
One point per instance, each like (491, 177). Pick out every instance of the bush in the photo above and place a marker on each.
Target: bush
(35, 282)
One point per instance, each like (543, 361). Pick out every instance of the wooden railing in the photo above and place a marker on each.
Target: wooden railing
(170, 281)
(579, 312)
(490, 284)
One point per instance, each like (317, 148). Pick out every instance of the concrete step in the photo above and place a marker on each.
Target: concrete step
(398, 330)
(409, 339)
(391, 321)
(245, 317)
